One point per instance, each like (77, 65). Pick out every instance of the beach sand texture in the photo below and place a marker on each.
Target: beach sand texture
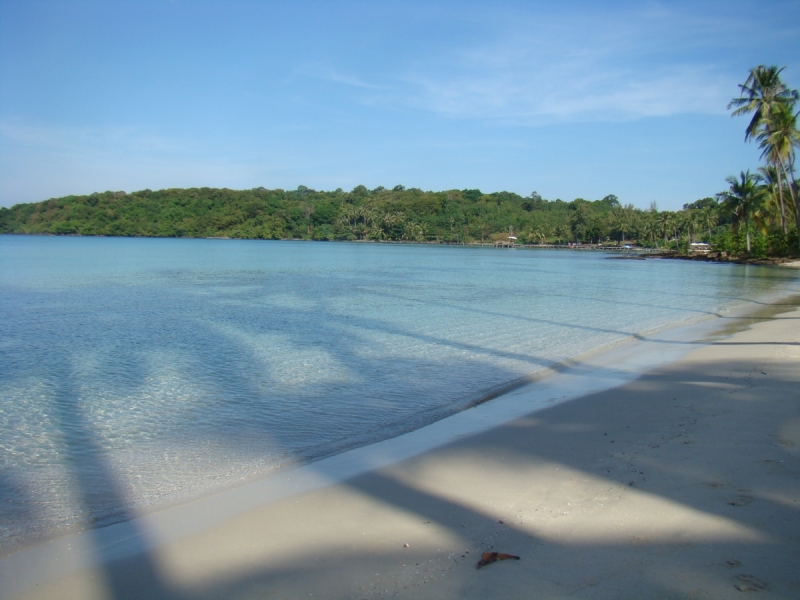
(684, 483)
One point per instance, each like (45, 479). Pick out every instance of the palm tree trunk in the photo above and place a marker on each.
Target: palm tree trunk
(781, 203)
(793, 189)
(793, 194)
(747, 231)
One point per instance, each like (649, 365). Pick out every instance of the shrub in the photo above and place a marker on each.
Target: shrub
(324, 232)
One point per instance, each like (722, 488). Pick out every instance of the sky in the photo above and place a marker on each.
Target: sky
(568, 99)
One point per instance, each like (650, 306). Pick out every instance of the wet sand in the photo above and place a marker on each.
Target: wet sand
(682, 483)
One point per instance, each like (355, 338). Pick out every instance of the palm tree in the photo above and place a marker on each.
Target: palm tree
(622, 220)
(687, 222)
(742, 198)
(650, 231)
(778, 141)
(709, 218)
(761, 92)
(773, 190)
(389, 222)
(665, 222)
(773, 124)
(539, 233)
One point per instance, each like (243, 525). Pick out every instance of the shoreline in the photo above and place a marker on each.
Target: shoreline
(723, 257)
(143, 535)
(632, 253)
(216, 469)
(683, 334)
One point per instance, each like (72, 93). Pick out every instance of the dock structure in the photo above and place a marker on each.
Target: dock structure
(510, 241)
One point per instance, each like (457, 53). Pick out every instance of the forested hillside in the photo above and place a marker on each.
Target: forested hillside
(399, 214)
(380, 214)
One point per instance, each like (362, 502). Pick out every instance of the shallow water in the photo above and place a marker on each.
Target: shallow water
(140, 371)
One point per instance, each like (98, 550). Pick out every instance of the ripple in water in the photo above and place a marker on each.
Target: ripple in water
(138, 371)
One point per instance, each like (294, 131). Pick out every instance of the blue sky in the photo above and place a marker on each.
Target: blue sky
(571, 99)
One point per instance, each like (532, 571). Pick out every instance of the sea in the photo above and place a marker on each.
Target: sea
(137, 373)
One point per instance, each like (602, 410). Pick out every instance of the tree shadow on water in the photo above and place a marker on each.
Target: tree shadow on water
(723, 503)
(573, 436)
(95, 484)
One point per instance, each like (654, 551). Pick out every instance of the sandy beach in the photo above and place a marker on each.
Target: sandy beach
(681, 483)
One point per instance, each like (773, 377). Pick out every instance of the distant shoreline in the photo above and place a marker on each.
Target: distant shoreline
(721, 257)
(634, 252)
(573, 246)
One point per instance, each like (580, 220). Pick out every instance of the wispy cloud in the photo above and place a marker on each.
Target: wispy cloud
(556, 93)
(582, 65)
(326, 73)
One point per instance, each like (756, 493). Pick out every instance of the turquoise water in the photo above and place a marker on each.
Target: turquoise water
(140, 371)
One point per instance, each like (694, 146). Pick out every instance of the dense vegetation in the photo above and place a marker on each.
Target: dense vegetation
(758, 215)
(767, 200)
(361, 214)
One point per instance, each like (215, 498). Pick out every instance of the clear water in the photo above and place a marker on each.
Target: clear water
(140, 371)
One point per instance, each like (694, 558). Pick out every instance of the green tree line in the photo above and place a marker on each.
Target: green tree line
(759, 214)
(398, 214)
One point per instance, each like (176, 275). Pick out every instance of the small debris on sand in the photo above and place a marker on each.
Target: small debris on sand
(488, 558)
